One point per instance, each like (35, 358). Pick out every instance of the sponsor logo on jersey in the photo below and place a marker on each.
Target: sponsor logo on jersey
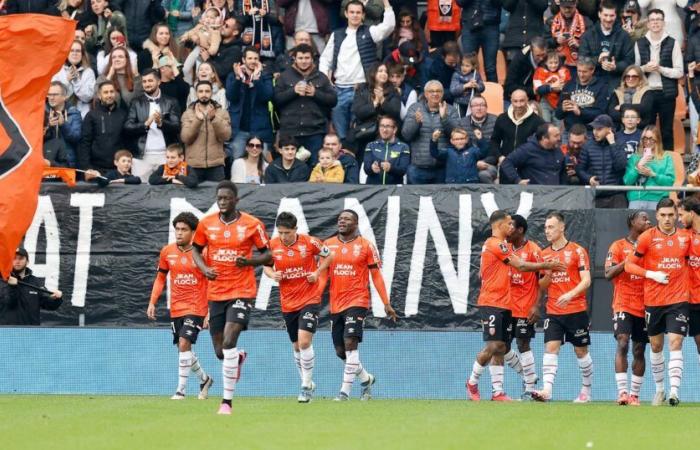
(241, 229)
(356, 249)
(302, 251)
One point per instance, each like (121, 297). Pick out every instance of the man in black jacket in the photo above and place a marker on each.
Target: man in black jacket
(287, 169)
(154, 123)
(304, 97)
(140, 16)
(230, 49)
(539, 160)
(101, 135)
(352, 170)
(24, 295)
(522, 68)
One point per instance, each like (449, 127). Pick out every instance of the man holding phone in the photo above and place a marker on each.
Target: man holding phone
(583, 98)
(568, 26)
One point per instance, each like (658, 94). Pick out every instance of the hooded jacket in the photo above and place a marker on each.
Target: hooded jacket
(619, 45)
(460, 164)
(592, 100)
(532, 162)
(101, 136)
(276, 173)
(509, 133)
(21, 304)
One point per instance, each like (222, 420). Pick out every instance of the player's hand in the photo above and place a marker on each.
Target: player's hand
(564, 299)
(277, 276)
(556, 266)
(205, 325)
(391, 312)
(209, 273)
(312, 277)
(56, 294)
(242, 262)
(12, 281)
(533, 315)
(659, 277)
(151, 311)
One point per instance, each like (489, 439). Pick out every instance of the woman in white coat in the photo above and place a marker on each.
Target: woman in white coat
(77, 76)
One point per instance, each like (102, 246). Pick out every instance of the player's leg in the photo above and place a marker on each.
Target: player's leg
(640, 339)
(184, 363)
(656, 328)
(553, 337)
(352, 336)
(527, 359)
(623, 341)
(337, 331)
(495, 338)
(291, 323)
(496, 369)
(307, 323)
(217, 321)
(585, 365)
(237, 316)
(675, 366)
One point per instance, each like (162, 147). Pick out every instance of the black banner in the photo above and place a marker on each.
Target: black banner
(100, 247)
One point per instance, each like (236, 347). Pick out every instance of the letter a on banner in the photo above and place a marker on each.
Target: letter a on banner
(32, 49)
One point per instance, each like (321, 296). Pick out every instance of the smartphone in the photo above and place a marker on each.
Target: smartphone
(121, 40)
(565, 96)
(566, 36)
(648, 153)
(628, 20)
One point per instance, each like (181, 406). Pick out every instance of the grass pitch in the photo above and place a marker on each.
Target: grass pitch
(83, 422)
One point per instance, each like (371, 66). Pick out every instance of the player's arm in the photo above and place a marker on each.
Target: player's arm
(156, 291)
(272, 273)
(580, 288)
(527, 266)
(325, 259)
(263, 258)
(378, 281)
(198, 259)
(535, 312)
(632, 265)
(613, 266)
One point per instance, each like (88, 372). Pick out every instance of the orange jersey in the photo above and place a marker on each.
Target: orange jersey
(495, 274)
(188, 286)
(694, 264)
(295, 262)
(664, 253)
(627, 288)
(225, 242)
(576, 260)
(524, 286)
(544, 76)
(349, 272)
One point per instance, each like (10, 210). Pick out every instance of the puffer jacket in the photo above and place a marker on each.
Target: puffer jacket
(525, 22)
(419, 135)
(604, 161)
(204, 139)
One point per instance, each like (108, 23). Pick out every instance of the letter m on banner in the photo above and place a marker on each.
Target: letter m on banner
(33, 48)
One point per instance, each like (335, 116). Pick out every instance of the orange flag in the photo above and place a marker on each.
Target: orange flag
(32, 49)
(64, 173)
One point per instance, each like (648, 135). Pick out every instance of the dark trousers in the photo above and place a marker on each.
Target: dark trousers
(486, 38)
(419, 175)
(209, 173)
(665, 108)
(615, 201)
(313, 144)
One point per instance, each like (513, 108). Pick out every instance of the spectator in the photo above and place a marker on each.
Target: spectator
(630, 135)
(154, 123)
(632, 21)
(121, 174)
(539, 160)
(461, 156)
(608, 45)
(115, 38)
(306, 15)
(287, 169)
(205, 128)
(692, 55)
(387, 158)
(347, 159)
(98, 21)
(230, 48)
(466, 83)
(101, 133)
(206, 37)
(175, 170)
(258, 18)
(160, 44)
(650, 166)
(62, 124)
(674, 25)
(480, 119)
(171, 85)
(567, 28)
(424, 117)
(693, 171)
(207, 72)
(524, 25)
(378, 97)
(328, 169)
(480, 22)
(140, 16)
(572, 150)
(408, 30)
(374, 11)
(521, 68)
(397, 76)
(602, 162)
(178, 15)
(548, 81)
(408, 58)
(29, 6)
(584, 98)
(285, 60)
(121, 74)
(69, 9)
(633, 91)
(444, 66)
(22, 302)
(250, 168)
(249, 91)
(78, 78)
(660, 57)
(347, 62)
(303, 97)
(511, 130)
(443, 25)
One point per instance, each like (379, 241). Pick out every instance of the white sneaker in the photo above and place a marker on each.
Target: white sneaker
(178, 396)
(582, 398)
(659, 398)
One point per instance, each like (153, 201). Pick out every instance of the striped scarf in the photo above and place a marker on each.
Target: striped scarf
(578, 27)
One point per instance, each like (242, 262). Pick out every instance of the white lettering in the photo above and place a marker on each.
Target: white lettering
(85, 203)
(50, 270)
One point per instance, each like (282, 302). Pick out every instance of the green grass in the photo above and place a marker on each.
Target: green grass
(133, 423)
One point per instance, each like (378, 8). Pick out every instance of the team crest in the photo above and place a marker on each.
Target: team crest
(343, 250)
(290, 253)
(241, 232)
(227, 234)
(356, 249)
(670, 243)
(445, 7)
(302, 251)
(183, 260)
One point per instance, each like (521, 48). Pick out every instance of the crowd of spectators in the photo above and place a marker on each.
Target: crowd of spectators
(280, 91)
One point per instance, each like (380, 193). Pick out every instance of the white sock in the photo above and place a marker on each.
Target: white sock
(198, 370)
(230, 372)
(307, 357)
(496, 379)
(657, 369)
(297, 361)
(675, 370)
(636, 387)
(550, 364)
(514, 361)
(621, 379)
(527, 360)
(477, 370)
(586, 366)
(352, 366)
(183, 372)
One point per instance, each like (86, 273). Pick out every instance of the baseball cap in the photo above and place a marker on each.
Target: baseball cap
(408, 51)
(632, 6)
(22, 252)
(602, 121)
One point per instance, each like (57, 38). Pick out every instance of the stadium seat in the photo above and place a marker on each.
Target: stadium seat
(500, 66)
(681, 104)
(678, 136)
(493, 93)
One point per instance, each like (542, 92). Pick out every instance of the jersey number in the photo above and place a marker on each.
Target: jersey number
(492, 321)
(546, 323)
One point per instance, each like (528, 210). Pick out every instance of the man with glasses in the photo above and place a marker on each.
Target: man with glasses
(481, 120)
(387, 158)
(62, 127)
(660, 57)
(423, 118)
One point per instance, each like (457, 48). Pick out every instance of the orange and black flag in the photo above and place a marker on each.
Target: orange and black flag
(32, 49)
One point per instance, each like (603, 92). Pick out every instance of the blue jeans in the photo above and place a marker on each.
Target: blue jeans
(487, 38)
(342, 112)
(313, 144)
(418, 175)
